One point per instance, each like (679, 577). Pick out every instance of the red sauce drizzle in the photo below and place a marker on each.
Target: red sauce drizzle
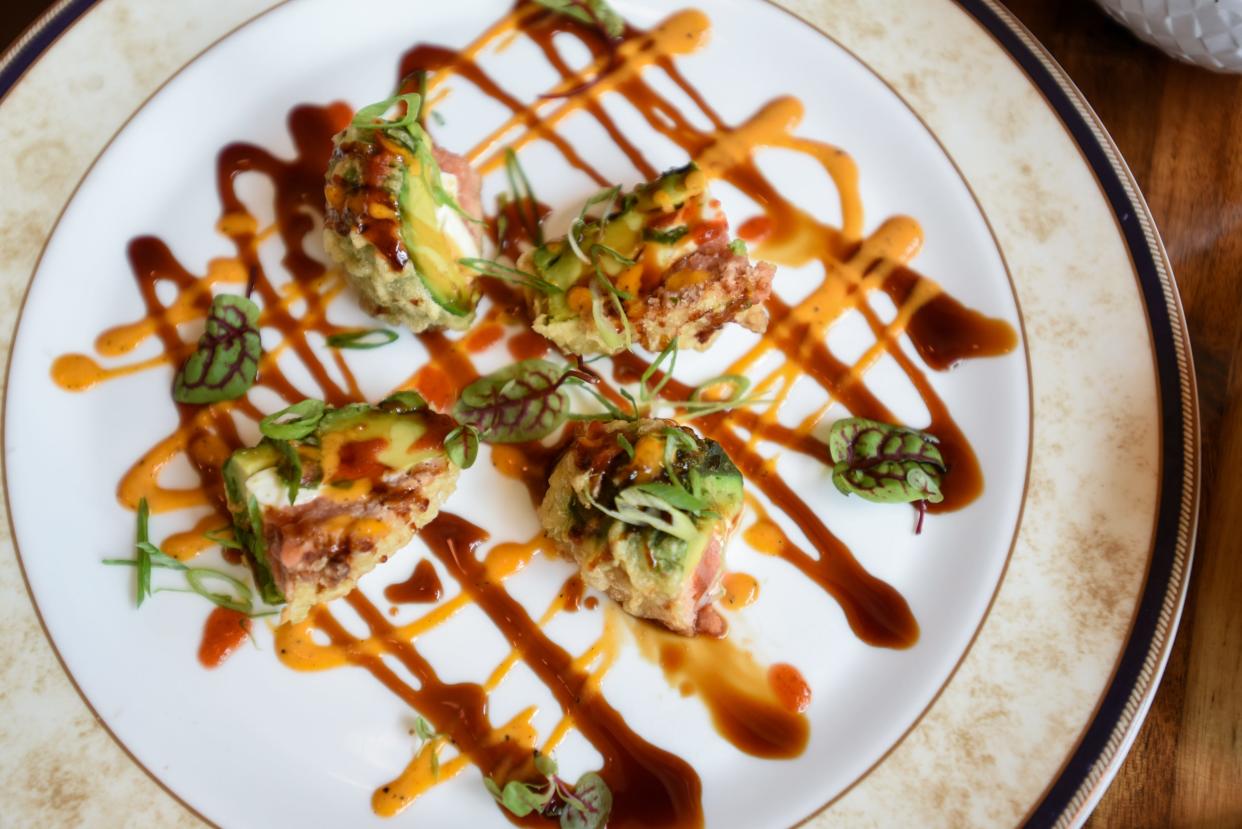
(359, 460)
(789, 686)
(224, 631)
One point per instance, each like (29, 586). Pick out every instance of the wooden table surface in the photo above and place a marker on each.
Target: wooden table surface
(1180, 129)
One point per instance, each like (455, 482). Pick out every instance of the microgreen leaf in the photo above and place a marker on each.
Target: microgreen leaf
(545, 764)
(226, 361)
(432, 742)
(591, 804)
(591, 13)
(495, 270)
(524, 798)
(371, 117)
(294, 422)
(675, 496)
(462, 446)
(612, 23)
(738, 246)
(423, 729)
(569, 8)
(362, 340)
(403, 402)
(521, 402)
(884, 463)
(666, 237)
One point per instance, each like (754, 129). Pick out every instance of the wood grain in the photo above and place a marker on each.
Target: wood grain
(1180, 129)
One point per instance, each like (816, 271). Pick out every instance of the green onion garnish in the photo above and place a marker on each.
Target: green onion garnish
(364, 339)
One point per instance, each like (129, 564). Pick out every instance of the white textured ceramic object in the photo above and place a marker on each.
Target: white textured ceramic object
(1204, 32)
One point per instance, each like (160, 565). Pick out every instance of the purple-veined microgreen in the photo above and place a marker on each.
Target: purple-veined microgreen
(225, 363)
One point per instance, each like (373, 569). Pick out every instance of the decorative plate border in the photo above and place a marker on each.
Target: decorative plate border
(1103, 745)
(1120, 712)
(38, 38)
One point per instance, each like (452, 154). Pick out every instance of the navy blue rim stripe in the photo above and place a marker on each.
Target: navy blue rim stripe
(43, 32)
(1164, 334)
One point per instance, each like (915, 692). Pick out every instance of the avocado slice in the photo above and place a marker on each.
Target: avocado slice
(240, 467)
(431, 252)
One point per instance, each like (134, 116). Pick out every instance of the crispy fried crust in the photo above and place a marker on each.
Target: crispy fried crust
(312, 564)
(397, 295)
(695, 315)
(734, 291)
(689, 611)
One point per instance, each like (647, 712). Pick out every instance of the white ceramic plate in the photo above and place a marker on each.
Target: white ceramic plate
(256, 744)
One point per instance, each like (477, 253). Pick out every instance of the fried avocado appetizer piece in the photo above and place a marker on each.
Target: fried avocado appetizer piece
(346, 489)
(656, 266)
(646, 508)
(401, 213)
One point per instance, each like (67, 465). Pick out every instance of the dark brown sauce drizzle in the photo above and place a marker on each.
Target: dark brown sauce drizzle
(944, 331)
(422, 587)
(650, 786)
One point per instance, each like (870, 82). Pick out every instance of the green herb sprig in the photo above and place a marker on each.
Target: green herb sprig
(584, 805)
(495, 270)
(697, 406)
(523, 198)
(407, 131)
(362, 340)
(148, 557)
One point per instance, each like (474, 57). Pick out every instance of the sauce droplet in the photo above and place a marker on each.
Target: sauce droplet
(789, 686)
(422, 587)
(223, 633)
(740, 590)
